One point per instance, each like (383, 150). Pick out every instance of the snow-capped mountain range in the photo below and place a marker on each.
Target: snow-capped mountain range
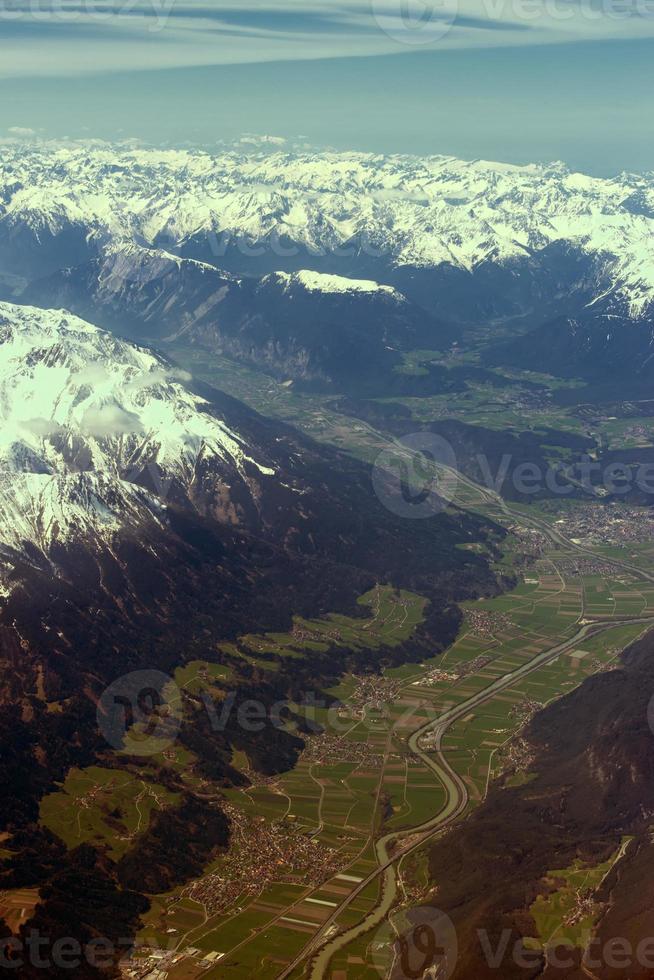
(395, 217)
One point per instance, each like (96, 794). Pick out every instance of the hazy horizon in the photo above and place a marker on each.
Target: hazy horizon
(507, 88)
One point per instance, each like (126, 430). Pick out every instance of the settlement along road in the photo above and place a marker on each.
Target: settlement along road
(392, 847)
(389, 848)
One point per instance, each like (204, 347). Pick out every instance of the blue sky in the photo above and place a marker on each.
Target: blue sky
(512, 80)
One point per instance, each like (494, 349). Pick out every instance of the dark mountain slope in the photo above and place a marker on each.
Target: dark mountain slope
(598, 347)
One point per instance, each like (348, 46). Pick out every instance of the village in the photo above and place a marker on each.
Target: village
(609, 524)
(261, 852)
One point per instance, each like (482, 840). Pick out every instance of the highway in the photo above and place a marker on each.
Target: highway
(392, 847)
(389, 848)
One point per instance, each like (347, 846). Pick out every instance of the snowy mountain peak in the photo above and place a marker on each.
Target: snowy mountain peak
(84, 416)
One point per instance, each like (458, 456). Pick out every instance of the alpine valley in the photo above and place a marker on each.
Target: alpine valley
(326, 544)
(146, 525)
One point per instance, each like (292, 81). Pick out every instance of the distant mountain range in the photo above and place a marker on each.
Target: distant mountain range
(457, 243)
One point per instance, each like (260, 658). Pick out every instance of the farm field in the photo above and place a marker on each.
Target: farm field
(17, 906)
(388, 617)
(548, 608)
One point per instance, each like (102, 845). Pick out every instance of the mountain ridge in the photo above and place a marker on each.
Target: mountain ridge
(303, 325)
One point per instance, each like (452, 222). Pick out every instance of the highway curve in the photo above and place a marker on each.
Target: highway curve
(455, 805)
(389, 848)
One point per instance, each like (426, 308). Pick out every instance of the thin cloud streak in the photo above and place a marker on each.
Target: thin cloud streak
(76, 38)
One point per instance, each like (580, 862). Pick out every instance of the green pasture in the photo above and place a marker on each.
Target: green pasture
(105, 807)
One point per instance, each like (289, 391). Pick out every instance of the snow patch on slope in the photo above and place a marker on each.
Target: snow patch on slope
(323, 283)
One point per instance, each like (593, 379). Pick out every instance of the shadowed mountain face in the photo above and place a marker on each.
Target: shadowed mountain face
(598, 346)
(104, 448)
(592, 785)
